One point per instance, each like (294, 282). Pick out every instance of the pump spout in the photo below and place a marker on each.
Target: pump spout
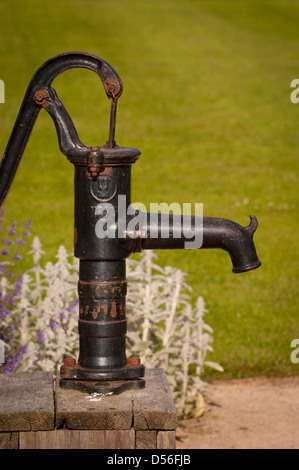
(212, 232)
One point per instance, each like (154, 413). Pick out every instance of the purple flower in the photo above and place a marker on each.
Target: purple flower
(9, 330)
(26, 227)
(62, 315)
(18, 284)
(12, 230)
(40, 337)
(20, 242)
(53, 325)
(19, 354)
(12, 362)
(6, 241)
(73, 304)
(4, 312)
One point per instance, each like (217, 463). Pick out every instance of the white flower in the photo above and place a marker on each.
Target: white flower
(164, 329)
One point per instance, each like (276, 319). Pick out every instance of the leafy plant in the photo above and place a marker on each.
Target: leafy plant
(166, 331)
(11, 286)
(39, 317)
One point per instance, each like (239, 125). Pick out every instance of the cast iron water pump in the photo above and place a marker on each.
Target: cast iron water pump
(102, 176)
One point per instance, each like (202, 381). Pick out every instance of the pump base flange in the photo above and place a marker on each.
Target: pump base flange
(102, 388)
(77, 372)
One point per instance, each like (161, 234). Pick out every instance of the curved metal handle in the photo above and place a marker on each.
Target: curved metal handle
(29, 110)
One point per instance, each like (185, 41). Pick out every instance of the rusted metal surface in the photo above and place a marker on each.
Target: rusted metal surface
(102, 174)
(41, 98)
(113, 387)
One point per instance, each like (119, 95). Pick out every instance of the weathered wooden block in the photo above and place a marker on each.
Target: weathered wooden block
(75, 439)
(150, 408)
(77, 410)
(166, 440)
(153, 407)
(9, 440)
(146, 439)
(136, 419)
(26, 401)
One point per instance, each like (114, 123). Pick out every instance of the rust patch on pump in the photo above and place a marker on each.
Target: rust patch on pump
(94, 314)
(113, 311)
(105, 309)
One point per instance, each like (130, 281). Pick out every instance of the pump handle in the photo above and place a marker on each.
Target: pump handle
(28, 113)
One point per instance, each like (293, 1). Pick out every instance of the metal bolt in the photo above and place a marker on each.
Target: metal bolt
(134, 361)
(69, 362)
(39, 97)
(94, 170)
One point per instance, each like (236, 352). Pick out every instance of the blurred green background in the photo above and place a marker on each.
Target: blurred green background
(207, 101)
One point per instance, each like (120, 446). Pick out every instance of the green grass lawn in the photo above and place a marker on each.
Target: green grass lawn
(207, 101)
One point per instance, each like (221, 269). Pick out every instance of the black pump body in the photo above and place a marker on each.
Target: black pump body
(103, 179)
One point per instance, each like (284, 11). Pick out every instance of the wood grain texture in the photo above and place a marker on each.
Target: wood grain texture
(146, 440)
(145, 409)
(9, 440)
(77, 410)
(75, 439)
(26, 401)
(153, 407)
(166, 440)
(141, 419)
